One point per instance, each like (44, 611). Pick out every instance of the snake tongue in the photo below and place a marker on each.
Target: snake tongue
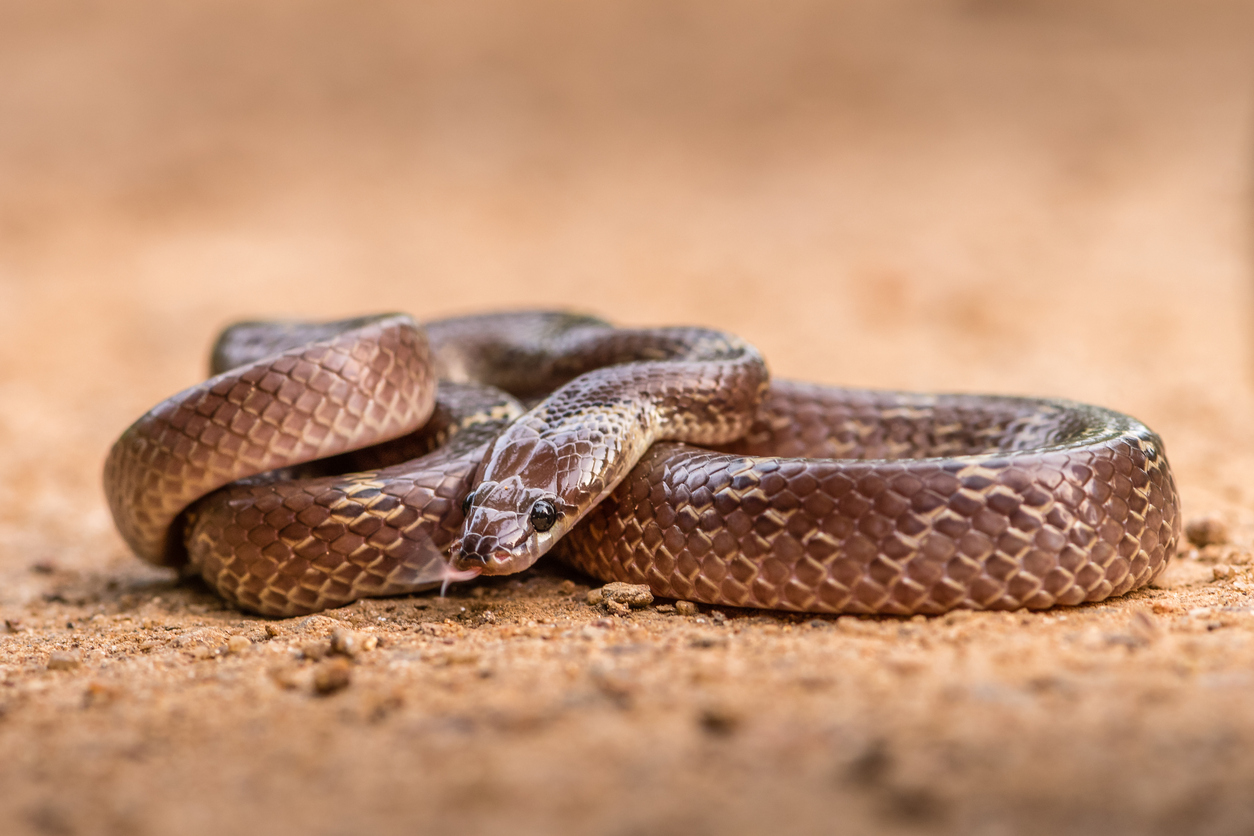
(454, 575)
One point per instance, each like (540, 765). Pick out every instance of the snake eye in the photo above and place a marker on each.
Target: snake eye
(543, 515)
(466, 503)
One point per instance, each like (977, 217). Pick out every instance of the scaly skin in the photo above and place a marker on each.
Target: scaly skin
(936, 502)
(834, 500)
(571, 450)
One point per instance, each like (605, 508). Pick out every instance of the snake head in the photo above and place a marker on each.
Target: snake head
(508, 527)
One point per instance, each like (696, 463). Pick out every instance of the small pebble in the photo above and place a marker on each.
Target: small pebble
(1221, 571)
(285, 677)
(238, 644)
(719, 721)
(566, 587)
(1207, 531)
(345, 643)
(685, 608)
(61, 660)
(707, 641)
(332, 676)
(624, 594)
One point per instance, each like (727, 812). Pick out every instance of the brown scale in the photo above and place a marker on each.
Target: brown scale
(935, 502)
(354, 526)
(367, 384)
(834, 500)
(559, 460)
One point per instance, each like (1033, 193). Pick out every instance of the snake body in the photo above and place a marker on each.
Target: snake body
(801, 497)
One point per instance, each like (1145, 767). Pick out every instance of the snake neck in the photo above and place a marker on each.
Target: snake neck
(549, 469)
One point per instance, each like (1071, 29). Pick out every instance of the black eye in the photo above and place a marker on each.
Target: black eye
(543, 515)
(466, 503)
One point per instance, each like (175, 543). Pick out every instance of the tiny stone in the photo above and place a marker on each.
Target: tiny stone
(315, 650)
(685, 608)
(272, 631)
(332, 676)
(285, 678)
(631, 594)
(369, 643)
(566, 587)
(238, 644)
(616, 608)
(719, 721)
(345, 643)
(594, 596)
(487, 617)
(707, 641)
(871, 766)
(1207, 531)
(665, 608)
(1221, 571)
(12, 625)
(718, 619)
(61, 660)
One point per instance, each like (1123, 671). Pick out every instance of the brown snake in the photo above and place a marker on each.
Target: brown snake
(803, 498)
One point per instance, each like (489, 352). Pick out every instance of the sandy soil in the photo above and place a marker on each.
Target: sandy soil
(1022, 197)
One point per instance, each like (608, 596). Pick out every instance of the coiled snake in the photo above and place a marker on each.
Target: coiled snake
(800, 497)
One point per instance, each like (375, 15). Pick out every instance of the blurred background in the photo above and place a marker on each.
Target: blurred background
(1041, 197)
(1003, 195)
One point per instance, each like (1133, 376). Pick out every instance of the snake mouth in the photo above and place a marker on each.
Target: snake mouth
(496, 563)
(480, 560)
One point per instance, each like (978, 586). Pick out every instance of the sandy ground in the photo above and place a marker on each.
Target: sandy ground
(1045, 198)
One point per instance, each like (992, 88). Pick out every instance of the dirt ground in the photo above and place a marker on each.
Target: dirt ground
(1047, 198)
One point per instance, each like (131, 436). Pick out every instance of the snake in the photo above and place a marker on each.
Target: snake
(323, 462)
